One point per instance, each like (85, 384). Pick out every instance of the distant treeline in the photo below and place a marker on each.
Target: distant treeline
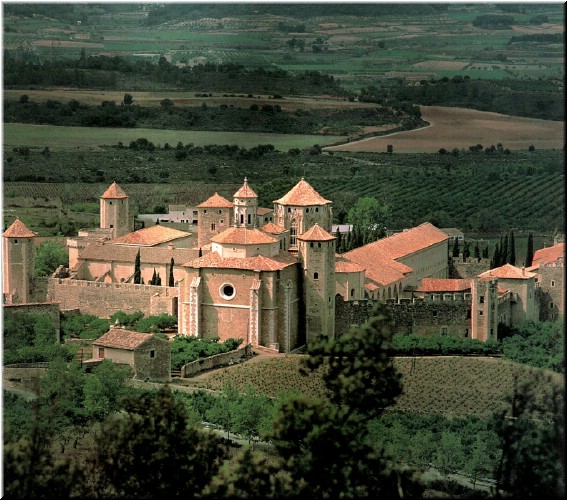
(117, 72)
(182, 11)
(537, 38)
(542, 99)
(252, 118)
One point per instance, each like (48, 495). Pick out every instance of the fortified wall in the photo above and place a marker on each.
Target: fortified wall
(420, 317)
(104, 299)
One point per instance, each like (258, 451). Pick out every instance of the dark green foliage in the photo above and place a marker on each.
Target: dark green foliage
(49, 256)
(154, 324)
(419, 345)
(126, 319)
(137, 269)
(456, 249)
(171, 280)
(85, 326)
(150, 451)
(532, 439)
(185, 349)
(539, 344)
(530, 250)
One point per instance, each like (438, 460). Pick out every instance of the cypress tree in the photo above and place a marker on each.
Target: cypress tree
(171, 279)
(530, 251)
(158, 280)
(495, 257)
(456, 248)
(477, 251)
(503, 251)
(339, 241)
(154, 279)
(137, 269)
(200, 252)
(512, 249)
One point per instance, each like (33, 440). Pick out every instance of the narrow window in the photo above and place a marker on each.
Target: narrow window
(213, 226)
(152, 353)
(481, 299)
(552, 282)
(241, 218)
(315, 276)
(101, 352)
(249, 218)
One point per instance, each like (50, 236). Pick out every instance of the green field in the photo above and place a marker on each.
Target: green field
(58, 138)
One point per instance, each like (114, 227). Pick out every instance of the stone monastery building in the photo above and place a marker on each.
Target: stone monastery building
(278, 284)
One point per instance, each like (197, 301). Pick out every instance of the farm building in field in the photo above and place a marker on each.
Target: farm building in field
(148, 355)
(273, 278)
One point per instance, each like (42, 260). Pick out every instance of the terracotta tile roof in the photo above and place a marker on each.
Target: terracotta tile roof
(114, 192)
(150, 236)
(264, 211)
(216, 201)
(302, 194)
(549, 254)
(148, 255)
(343, 265)
(410, 241)
(18, 230)
(260, 262)
(245, 191)
(243, 236)
(444, 285)
(272, 228)
(507, 271)
(316, 233)
(122, 339)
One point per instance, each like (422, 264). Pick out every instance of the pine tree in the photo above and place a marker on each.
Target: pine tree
(171, 278)
(137, 269)
(530, 251)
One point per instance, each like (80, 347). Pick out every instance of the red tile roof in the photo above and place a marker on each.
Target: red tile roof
(216, 201)
(260, 262)
(114, 192)
(122, 339)
(343, 265)
(549, 254)
(444, 285)
(272, 228)
(316, 233)
(150, 236)
(18, 230)
(302, 194)
(148, 255)
(507, 271)
(264, 211)
(245, 191)
(243, 236)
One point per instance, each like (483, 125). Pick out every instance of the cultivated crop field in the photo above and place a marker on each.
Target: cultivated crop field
(460, 128)
(452, 386)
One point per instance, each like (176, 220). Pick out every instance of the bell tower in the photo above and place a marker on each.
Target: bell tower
(115, 211)
(316, 250)
(18, 261)
(245, 207)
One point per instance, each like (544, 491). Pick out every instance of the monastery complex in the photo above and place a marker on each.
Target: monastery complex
(272, 277)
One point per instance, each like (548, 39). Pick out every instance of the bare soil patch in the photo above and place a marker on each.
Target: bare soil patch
(460, 128)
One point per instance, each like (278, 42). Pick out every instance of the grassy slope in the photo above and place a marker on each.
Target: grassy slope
(453, 386)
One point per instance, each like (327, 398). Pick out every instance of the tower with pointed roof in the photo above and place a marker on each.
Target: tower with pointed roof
(300, 209)
(245, 207)
(18, 261)
(115, 211)
(316, 250)
(213, 218)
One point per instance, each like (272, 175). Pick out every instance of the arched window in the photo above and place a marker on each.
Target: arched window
(293, 233)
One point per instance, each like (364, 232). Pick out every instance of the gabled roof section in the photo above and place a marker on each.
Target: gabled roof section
(316, 233)
(18, 230)
(150, 236)
(243, 236)
(216, 201)
(127, 254)
(272, 228)
(507, 271)
(549, 254)
(258, 263)
(302, 194)
(444, 285)
(114, 192)
(119, 338)
(264, 211)
(343, 265)
(245, 191)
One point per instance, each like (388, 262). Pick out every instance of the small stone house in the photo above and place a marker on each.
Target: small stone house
(148, 355)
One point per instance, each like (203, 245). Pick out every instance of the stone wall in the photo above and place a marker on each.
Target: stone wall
(104, 299)
(419, 317)
(51, 309)
(215, 361)
(469, 269)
